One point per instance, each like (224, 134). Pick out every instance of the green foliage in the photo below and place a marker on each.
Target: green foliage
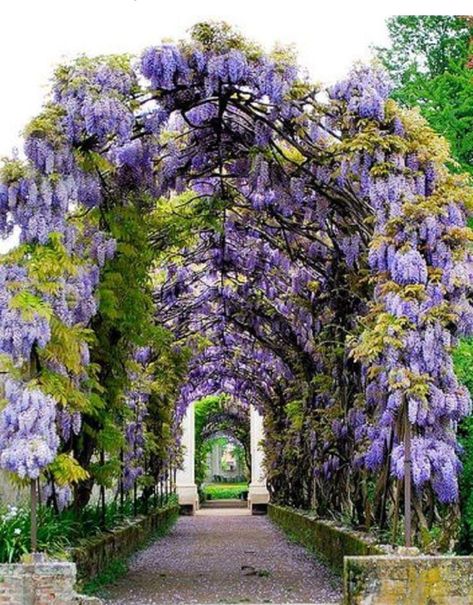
(12, 170)
(54, 532)
(30, 306)
(203, 409)
(66, 470)
(295, 413)
(428, 61)
(90, 161)
(47, 123)
(466, 487)
(64, 390)
(426, 44)
(240, 455)
(65, 345)
(179, 219)
(110, 574)
(125, 321)
(59, 531)
(224, 491)
(463, 360)
(47, 264)
(212, 409)
(220, 36)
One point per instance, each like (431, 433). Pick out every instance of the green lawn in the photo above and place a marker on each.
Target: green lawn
(223, 491)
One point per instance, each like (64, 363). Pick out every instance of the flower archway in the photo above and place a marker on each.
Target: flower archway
(207, 221)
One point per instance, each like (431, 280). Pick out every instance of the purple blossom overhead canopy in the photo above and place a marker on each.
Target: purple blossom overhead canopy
(325, 266)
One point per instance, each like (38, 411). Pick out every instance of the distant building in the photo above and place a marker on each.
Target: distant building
(223, 464)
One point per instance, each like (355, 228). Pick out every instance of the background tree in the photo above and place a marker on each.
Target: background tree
(429, 61)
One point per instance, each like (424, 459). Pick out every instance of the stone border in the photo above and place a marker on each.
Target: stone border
(408, 580)
(96, 554)
(328, 540)
(375, 574)
(41, 582)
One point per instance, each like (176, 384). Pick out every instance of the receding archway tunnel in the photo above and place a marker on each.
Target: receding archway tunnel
(207, 221)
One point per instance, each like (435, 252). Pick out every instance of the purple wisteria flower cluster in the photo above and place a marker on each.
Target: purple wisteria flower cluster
(136, 401)
(38, 197)
(27, 427)
(415, 258)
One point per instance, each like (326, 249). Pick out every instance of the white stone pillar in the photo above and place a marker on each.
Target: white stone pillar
(185, 477)
(258, 494)
(215, 460)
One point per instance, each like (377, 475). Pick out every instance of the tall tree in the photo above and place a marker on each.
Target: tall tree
(429, 61)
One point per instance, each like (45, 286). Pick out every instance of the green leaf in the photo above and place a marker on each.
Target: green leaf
(66, 470)
(30, 305)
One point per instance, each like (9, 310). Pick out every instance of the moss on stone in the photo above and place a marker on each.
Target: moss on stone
(408, 580)
(330, 542)
(98, 553)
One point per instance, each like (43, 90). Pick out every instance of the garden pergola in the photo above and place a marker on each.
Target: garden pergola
(304, 251)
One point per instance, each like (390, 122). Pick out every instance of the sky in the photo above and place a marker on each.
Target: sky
(37, 35)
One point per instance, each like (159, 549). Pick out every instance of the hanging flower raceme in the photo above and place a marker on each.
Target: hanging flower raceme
(136, 401)
(60, 495)
(27, 425)
(19, 330)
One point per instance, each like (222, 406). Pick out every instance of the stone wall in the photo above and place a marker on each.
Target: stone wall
(408, 580)
(329, 541)
(97, 553)
(41, 583)
(379, 575)
(44, 582)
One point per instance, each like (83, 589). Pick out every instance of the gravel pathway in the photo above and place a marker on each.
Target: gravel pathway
(224, 559)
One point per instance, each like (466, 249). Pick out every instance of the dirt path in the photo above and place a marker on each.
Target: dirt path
(215, 558)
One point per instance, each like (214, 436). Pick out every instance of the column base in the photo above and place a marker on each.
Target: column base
(258, 499)
(188, 498)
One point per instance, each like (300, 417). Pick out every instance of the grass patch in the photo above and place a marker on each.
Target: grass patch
(224, 491)
(111, 574)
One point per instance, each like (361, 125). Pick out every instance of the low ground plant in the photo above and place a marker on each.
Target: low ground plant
(224, 491)
(59, 531)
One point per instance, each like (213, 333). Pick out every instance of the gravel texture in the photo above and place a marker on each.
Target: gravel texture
(224, 559)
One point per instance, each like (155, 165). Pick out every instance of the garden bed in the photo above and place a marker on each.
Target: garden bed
(96, 554)
(328, 540)
(59, 532)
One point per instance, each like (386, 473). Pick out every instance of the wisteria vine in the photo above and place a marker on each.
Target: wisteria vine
(312, 257)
